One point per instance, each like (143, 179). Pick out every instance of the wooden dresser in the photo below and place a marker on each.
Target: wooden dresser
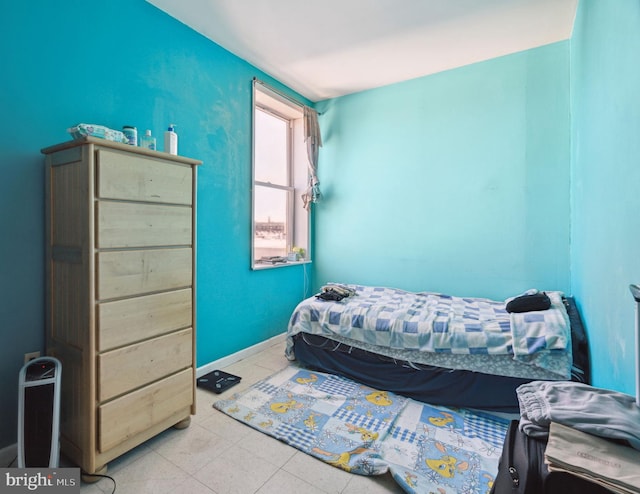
(120, 294)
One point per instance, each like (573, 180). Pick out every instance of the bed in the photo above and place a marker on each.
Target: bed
(437, 348)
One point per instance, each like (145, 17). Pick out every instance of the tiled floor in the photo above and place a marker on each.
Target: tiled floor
(217, 454)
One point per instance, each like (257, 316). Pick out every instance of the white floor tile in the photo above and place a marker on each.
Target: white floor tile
(219, 455)
(103, 486)
(191, 448)
(284, 482)
(267, 448)
(328, 479)
(238, 471)
(382, 484)
(225, 426)
(150, 473)
(192, 486)
(151, 466)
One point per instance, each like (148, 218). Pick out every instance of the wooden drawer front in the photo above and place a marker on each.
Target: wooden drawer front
(136, 412)
(140, 178)
(127, 321)
(127, 224)
(126, 273)
(128, 368)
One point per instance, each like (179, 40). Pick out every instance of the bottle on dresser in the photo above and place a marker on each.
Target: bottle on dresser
(171, 140)
(148, 141)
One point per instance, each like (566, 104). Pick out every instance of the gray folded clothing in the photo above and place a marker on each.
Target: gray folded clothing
(597, 411)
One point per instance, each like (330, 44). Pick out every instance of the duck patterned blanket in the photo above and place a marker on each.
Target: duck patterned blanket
(369, 432)
(442, 330)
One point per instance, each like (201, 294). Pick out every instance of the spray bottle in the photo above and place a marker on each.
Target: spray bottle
(171, 140)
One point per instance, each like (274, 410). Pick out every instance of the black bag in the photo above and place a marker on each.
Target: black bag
(528, 303)
(522, 470)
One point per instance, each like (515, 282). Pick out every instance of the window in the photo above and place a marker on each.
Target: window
(280, 223)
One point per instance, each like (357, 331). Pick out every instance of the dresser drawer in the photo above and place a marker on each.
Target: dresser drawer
(136, 412)
(130, 224)
(127, 321)
(136, 272)
(139, 178)
(128, 368)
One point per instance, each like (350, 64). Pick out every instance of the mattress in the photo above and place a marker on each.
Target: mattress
(440, 330)
(437, 384)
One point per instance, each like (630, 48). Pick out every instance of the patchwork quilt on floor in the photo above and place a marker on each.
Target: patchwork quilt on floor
(369, 432)
(443, 450)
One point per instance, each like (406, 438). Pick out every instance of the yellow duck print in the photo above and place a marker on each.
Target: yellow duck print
(285, 406)
(446, 419)
(310, 422)
(446, 465)
(365, 435)
(340, 460)
(490, 481)
(410, 479)
(380, 398)
(307, 380)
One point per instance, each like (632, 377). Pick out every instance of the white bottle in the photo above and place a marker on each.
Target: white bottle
(171, 140)
(148, 141)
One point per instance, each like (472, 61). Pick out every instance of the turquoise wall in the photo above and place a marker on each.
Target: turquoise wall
(116, 63)
(456, 182)
(605, 234)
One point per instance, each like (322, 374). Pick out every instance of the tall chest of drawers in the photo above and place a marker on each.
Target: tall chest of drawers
(120, 295)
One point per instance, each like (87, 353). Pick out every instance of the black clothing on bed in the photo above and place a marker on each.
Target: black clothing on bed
(528, 303)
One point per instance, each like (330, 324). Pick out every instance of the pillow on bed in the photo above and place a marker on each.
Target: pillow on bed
(529, 302)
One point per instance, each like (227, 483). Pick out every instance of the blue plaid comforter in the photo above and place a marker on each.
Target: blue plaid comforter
(435, 323)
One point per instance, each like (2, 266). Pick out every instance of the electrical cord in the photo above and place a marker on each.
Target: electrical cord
(101, 476)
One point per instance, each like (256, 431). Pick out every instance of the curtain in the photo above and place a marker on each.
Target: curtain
(314, 142)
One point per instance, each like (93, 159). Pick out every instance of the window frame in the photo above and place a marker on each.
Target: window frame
(298, 219)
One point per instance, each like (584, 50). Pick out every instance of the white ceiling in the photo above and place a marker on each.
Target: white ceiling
(328, 48)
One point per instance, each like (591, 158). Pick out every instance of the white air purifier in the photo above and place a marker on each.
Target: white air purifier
(39, 413)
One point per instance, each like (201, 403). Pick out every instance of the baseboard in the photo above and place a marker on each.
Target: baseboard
(8, 455)
(242, 354)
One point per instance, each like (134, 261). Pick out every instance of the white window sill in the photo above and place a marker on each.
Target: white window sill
(259, 266)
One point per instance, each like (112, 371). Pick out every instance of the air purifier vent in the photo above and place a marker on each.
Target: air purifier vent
(39, 413)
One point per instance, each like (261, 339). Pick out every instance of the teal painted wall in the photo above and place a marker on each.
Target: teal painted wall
(605, 234)
(457, 182)
(116, 63)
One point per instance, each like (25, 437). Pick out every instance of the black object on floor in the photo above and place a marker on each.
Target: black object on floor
(217, 381)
